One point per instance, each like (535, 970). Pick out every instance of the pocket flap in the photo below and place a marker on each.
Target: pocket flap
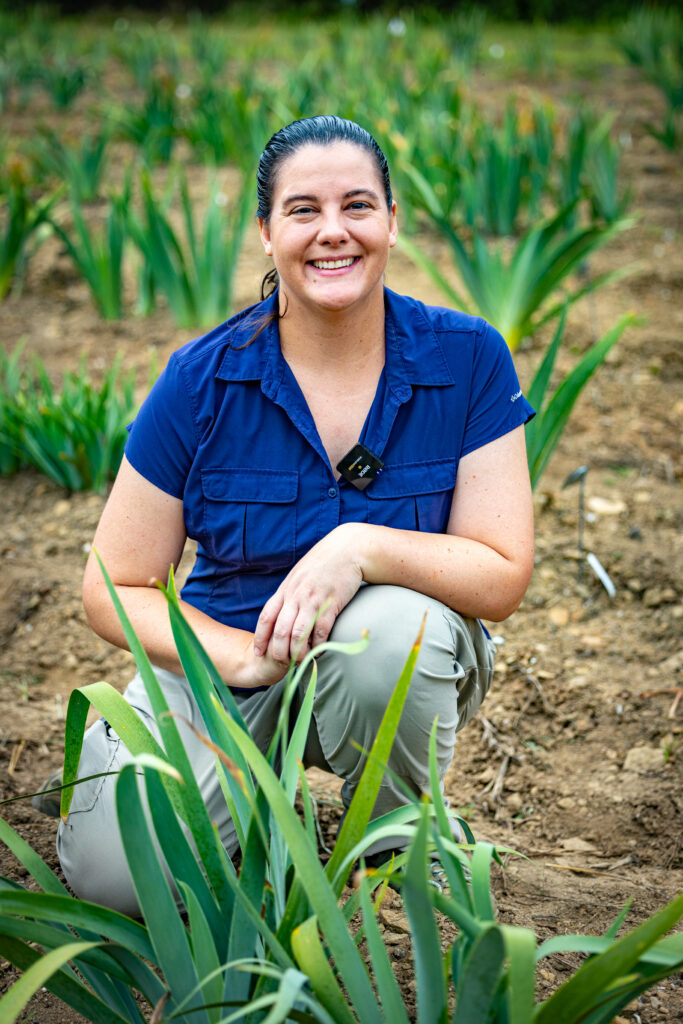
(276, 486)
(412, 478)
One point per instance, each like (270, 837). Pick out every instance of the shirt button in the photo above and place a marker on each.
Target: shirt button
(332, 492)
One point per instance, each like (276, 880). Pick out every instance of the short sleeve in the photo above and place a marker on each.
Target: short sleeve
(163, 437)
(497, 404)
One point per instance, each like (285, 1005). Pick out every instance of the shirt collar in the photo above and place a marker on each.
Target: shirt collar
(413, 351)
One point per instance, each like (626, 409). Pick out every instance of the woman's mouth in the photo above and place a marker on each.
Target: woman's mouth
(339, 264)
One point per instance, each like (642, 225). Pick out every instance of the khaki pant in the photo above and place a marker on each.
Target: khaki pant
(452, 676)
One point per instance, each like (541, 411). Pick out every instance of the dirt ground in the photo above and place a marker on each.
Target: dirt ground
(576, 758)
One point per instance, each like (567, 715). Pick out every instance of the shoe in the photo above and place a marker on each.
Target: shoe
(48, 800)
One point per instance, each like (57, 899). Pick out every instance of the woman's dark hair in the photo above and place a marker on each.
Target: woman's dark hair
(322, 130)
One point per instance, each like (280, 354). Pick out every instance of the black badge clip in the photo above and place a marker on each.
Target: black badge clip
(360, 466)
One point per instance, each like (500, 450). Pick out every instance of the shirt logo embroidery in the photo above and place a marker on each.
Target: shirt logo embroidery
(518, 394)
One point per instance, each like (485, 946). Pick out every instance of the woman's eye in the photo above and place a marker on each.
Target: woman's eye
(302, 209)
(359, 204)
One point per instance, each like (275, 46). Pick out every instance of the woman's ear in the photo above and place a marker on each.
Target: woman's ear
(264, 231)
(393, 226)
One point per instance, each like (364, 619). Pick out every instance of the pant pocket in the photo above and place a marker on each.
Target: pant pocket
(100, 749)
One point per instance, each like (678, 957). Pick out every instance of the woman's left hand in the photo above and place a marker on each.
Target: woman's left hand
(321, 584)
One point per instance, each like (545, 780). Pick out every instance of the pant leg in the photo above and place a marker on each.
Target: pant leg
(451, 678)
(89, 844)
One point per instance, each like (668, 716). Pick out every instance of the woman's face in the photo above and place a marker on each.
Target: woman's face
(329, 231)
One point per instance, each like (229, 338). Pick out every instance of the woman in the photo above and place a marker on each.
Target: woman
(243, 445)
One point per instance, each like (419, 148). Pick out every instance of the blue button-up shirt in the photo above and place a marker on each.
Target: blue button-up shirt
(227, 429)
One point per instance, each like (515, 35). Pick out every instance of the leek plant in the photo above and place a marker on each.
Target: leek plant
(229, 125)
(22, 226)
(275, 942)
(80, 166)
(12, 384)
(511, 287)
(553, 410)
(153, 126)
(195, 274)
(652, 40)
(62, 79)
(76, 435)
(608, 199)
(98, 254)
(146, 50)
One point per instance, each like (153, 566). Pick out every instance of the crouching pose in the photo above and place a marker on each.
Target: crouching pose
(336, 446)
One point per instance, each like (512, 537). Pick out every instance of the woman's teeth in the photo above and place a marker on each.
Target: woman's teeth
(333, 264)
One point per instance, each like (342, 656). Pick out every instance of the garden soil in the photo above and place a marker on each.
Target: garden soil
(575, 761)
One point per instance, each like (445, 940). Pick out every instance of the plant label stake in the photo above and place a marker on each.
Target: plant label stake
(579, 476)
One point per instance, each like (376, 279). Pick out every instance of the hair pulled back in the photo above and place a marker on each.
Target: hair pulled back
(322, 130)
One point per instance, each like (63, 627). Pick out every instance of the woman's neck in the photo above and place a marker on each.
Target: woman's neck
(334, 341)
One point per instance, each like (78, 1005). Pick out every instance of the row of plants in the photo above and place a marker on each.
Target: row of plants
(489, 176)
(75, 435)
(282, 938)
(194, 268)
(380, 55)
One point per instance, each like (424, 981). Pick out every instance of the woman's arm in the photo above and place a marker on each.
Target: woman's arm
(481, 567)
(140, 535)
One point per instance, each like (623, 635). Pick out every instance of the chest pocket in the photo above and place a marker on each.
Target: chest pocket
(250, 517)
(413, 495)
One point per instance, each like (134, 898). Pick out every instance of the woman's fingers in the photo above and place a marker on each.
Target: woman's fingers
(266, 621)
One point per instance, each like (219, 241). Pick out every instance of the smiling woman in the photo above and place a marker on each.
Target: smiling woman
(244, 445)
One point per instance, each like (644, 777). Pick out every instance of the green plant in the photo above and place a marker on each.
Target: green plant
(80, 165)
(275, 942)
(154, 125)
(553, 410)
(62, 79)
(509, 288)
(608, 200)
(145, 50)
(12, 384)
(99, 254)
(195, 274)
(229, 125)
(75, 436)
(21, 220)
(652, 40)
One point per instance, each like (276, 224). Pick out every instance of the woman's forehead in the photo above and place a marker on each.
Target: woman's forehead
(314, 166)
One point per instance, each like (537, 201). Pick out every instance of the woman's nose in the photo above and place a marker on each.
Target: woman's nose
(332, 228)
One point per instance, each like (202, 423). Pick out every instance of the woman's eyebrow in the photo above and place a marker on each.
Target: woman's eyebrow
(347, 195)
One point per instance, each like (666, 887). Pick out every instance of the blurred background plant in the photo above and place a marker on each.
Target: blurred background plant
(652, 40)
(75, 435)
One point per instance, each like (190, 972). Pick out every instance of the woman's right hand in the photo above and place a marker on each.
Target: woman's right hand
(261, 670)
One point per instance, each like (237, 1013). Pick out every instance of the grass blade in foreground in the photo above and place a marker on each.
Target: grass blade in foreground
(14, 1001)
(544, 431)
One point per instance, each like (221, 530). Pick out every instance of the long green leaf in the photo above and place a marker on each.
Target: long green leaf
(16, 998)
(120, 715)
(520, 950)
(432, 1003)
(193, 811)
(167, 934)
(553, 417)
(79, 914)
(575, 998)
(389, 993)
(318, 890)
(311, 958)
(481, 972)
(358, 814)
(62, 984)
